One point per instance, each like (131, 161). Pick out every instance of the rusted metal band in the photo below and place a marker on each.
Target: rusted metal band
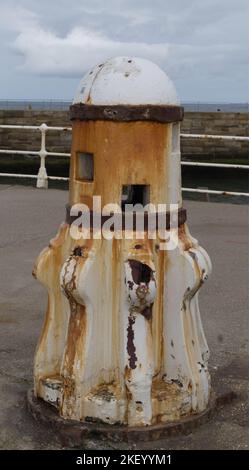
(72, 432)
(126, 113)
(162, 220)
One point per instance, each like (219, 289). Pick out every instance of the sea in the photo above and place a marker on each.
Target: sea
(64, 104)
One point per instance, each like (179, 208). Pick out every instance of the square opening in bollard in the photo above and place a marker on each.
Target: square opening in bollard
(84, 166)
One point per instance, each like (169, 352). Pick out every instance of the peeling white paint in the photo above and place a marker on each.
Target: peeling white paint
(123, 340)
(126, 80)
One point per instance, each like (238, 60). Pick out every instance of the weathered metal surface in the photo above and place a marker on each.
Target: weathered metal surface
(138, 152)
(140, 283)
(73, 433)
(120, 113)
(128, 81)
(84, 365)
(122, 341)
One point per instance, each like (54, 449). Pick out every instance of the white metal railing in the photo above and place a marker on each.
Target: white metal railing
(215, 136)
(42, 177)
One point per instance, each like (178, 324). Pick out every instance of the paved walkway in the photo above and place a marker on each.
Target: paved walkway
(29, 218)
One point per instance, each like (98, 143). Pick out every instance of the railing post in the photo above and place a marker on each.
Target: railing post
(42, 177)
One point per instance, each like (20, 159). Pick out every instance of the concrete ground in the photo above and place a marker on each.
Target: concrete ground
(29, 218)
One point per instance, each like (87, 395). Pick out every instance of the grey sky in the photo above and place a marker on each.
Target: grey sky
(46, 46)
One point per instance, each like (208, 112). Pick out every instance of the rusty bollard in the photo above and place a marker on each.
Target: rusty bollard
(122, 347)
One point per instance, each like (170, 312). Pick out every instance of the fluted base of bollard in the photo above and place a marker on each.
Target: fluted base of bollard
(74, 433)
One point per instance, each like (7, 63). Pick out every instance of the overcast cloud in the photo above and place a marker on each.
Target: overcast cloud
(47, 46)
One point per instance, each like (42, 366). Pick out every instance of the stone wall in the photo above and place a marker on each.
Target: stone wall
(215, 123)
(194, 122)
(21, 139)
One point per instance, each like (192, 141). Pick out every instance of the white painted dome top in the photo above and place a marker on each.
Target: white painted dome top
(126, 80)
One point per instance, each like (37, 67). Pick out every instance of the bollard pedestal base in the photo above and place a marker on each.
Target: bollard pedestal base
(74, 433)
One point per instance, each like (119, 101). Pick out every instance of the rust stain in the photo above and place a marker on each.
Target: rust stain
(125, 113)
(128, 374)
(70, 285)
(77, 328)
(78, 251)
(193, 255)
(177, 382)
(107, 391)
(130, 343)
(187, 243)
(59, 239)
(116, 258)
(138, 247)
(112, 144)
(89, 99)
(130, 284)
(147, 312)
(75, 342)
(164, 391)
(47, 271)
(157, 326)
(142, 274)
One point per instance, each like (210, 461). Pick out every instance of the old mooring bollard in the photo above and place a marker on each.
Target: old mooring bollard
(122, 341)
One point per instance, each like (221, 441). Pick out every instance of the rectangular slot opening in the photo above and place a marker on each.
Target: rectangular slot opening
(84, 166)
(135, 194)
(175, 146)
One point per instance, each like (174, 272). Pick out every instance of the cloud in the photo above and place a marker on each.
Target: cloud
(46, 53)
(197, 43)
